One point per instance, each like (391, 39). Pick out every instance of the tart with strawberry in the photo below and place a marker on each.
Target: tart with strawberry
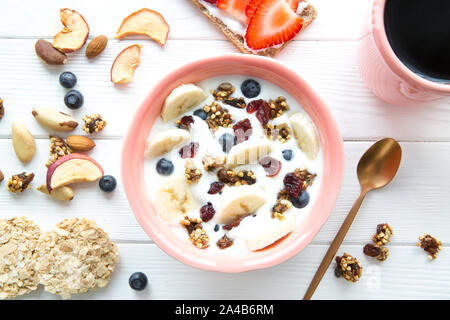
(262, 27)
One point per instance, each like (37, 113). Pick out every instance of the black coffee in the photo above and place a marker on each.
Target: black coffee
(419, 34)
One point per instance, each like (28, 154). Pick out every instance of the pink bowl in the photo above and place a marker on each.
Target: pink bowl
(252, 66)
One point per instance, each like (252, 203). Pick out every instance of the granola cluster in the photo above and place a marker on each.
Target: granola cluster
(348, 267)
(192, 173)
(232, 178)
(306, 177)
(217, 116)
(281, 206)
(277, 107)
(281, 131)
(20, 182)
(223, 91)
(58, 148)
(212, 163)
(235, 102)
(2, 109)
(383, 235)
(197, 235)
(430, 245)
(77, 256)
(18, 241)
(93, 123)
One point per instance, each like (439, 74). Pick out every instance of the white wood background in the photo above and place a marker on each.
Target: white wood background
(417, 201)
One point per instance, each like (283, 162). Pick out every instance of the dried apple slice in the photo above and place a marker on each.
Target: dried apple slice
(145, 22)
(71, 168)
(74, 34)
(126, 62)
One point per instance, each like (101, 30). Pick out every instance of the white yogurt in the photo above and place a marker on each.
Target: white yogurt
(209, 145)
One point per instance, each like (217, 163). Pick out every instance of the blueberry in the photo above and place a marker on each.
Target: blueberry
(302, 199)
(250, 88)
(216, 228)
(67, 80)
(164, 167)
(287, 154)
(74, 99)
(107, 183)
(138, 281)
(201, 114)
(227, 141)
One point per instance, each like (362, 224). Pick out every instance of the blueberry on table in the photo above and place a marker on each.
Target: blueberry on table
(288, 154)
(201, 114)
(74, 99)
(250, 88)
(107, 183)
(164, 167)
(67, 80)
(138, 281)
(302, 200)
(227, 141)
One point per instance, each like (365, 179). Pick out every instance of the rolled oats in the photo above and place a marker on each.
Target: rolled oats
(18, 242)
(77, 256)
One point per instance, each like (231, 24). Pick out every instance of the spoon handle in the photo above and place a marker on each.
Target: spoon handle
(334, 246)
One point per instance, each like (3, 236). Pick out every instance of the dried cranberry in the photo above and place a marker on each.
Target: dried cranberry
(186, 122)
(293, 184)
(262, 109)
(211, 1)
(271, 166)
(242, 130)
(253, 106)
(216, 187)
(189, 150)
(207, 212)
(235, 223)
(371, 250)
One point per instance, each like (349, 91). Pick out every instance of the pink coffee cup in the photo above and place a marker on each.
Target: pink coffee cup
(385, 75)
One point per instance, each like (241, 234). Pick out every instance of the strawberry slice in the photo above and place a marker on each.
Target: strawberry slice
(274, 22)
(235, 8)
(253, 5)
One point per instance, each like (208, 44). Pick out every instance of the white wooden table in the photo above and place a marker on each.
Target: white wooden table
(417, 201)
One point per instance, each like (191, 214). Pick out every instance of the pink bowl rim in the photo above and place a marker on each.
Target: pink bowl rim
(389, 56)
(333, 157)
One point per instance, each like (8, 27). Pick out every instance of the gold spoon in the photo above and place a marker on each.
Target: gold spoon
(376, 168)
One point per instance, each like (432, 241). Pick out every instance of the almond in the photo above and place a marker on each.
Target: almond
(96, 46)
(54, 119)
(80, 143)
(23, 142)
(48, 54)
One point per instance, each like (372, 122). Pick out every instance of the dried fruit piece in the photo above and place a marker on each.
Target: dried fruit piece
(235, 223)
(80, 143)
(292, 184)
(271, 166)
(2, 109)
(381, 253)
(125, 64)
(1, 176)
(216, 187)
(93, 123)
(74, 34)
(192, 173)
(20, 182)
(48, 54)
(185, 122)
(96, 46)
(189, 150)
(207, 212)
(235, 102)
(64, 193)
(262, 109)
(383, 235)
(430, 245)
(242, 130)
(23, 142)
(54, 120)
(145, 22)
(348, 267)
(224, 242)
(75, 167)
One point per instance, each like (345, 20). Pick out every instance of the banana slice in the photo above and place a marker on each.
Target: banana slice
(174, 200)
(239, 201)
(305, 134)
(249, 151)
(181, 99)
(274, 231)
(165, 141)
